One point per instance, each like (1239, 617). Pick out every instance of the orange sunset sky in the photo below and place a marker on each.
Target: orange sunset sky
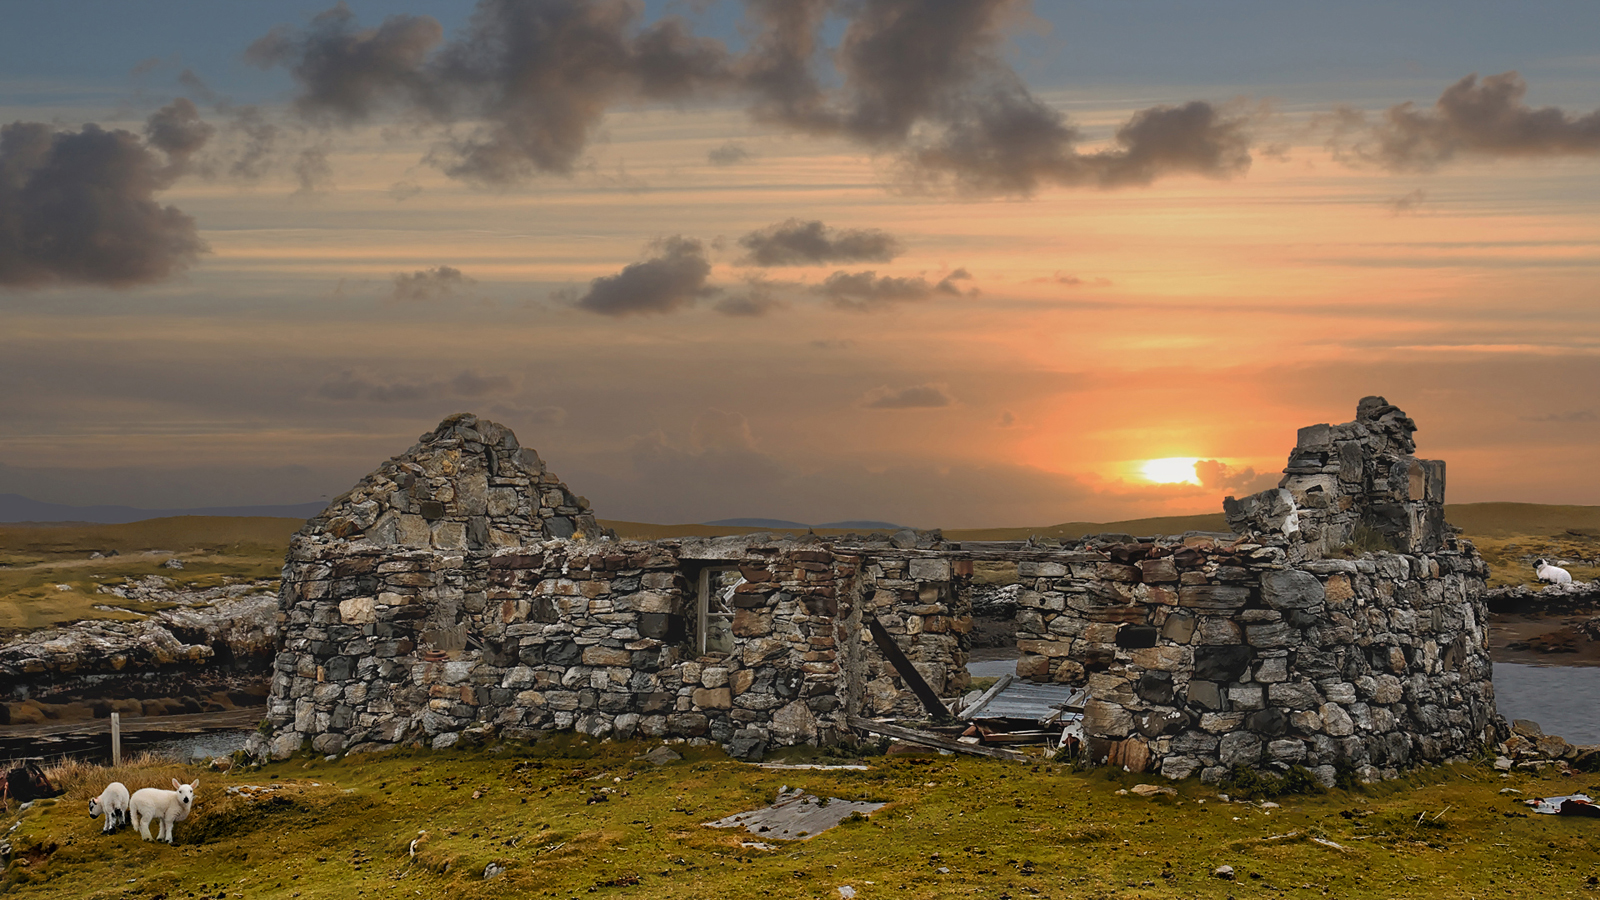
(932, 262)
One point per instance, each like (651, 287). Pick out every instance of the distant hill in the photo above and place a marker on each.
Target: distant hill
(17, 508)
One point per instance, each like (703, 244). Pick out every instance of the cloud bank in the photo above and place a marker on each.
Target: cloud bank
(1486, 119)
(522, 89)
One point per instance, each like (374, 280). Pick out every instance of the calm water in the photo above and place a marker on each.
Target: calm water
(1564, 700)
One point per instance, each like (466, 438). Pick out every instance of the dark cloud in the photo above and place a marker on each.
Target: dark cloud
(178, 131)
(346, 73)
(1195, 138)
(867, 292)
(728, 154)
(671, 281)
(833, 344)
(920, 396)
(797, 243)
(79, 207)
(430, 285)
(1007, 419)
(468, 384)
(1486, 118)
(532, 77)
(925, 79)
(1219, 476)
(522, 89)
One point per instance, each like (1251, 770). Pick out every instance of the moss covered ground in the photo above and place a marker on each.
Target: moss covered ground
(573, 817)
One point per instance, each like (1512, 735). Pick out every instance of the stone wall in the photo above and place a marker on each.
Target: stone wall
(423, 606)
(462, 590)
(1202, 654)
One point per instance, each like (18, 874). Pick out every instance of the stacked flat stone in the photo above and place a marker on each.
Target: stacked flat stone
(389, 647)
(1202, 654)
(1344, 478)
(444, 597)
(467, 486)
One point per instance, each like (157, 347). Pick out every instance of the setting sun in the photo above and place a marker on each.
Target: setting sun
(1172, 470)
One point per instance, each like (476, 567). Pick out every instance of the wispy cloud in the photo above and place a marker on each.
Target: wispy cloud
(430, 285)
(918, 396)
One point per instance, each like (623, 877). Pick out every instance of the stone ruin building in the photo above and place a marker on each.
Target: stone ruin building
(461, 590)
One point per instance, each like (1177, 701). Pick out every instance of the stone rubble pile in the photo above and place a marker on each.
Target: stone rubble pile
(1528, 747)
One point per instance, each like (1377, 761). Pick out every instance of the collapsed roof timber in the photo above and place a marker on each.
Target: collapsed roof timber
(461, 590)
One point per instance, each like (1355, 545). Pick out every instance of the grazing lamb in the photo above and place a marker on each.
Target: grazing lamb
(1553, 574)
(113, 801)
(167, 807)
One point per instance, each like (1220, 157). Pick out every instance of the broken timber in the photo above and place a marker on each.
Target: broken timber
(990, 694)
(902, 666)
(912, 736)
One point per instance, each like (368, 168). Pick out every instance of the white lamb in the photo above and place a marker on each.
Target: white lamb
(113, 801)
(167, 807)
(1553, 574)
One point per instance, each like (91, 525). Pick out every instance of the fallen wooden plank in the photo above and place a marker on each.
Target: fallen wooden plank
(1017, 737)
(994, 689)
(913, 736)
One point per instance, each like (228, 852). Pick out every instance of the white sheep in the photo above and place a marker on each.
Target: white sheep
(167, 807)
(1553, 574)
(113, 801)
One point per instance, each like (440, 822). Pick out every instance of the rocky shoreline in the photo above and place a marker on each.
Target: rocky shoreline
(210, 650)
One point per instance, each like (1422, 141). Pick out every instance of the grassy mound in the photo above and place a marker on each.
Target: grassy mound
(572, 816)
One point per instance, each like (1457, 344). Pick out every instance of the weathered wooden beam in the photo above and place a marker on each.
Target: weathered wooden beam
(913, 736)
(993, 691)
(897, 658)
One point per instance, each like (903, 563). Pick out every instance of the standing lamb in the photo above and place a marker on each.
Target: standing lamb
(1553, 574)
(167, 807)
(113, 801)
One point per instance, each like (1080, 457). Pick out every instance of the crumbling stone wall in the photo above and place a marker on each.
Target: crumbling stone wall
(1202, 654)
(1283, 644)
(1355, 483)
(462, 589)
(441, 598)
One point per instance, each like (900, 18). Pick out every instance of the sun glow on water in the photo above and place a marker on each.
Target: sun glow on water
(1172, 470)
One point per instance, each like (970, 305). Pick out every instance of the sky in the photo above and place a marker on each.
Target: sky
(945, 263)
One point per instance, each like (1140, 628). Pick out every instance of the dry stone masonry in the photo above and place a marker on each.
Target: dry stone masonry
(461, 590)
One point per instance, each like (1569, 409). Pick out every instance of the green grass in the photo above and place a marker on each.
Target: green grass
(343, 829)
(35, 560)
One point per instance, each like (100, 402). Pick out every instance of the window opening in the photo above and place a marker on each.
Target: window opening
(715, 613)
